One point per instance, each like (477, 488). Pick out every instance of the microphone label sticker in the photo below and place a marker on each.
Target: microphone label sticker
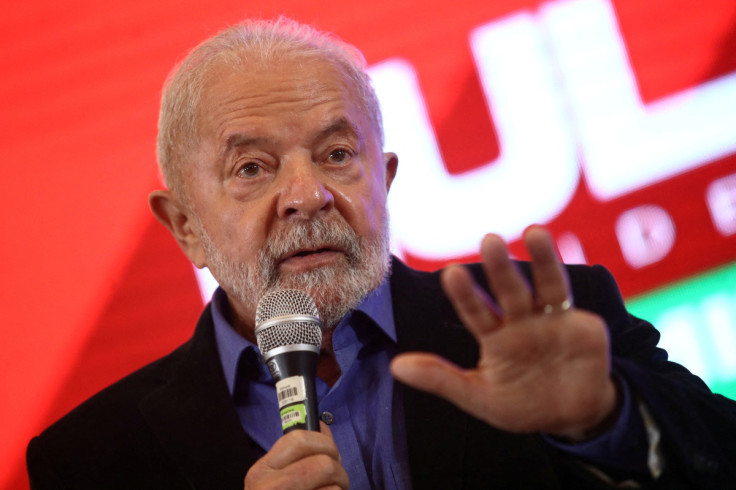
(290, 390)
(293, 415)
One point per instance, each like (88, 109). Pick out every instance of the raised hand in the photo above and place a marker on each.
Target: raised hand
(300, 460)
(543, 366)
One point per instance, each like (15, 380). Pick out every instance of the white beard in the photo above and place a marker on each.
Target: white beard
(336, 290)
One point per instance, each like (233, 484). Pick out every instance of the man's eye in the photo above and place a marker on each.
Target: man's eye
(339, 156)
(249, 170)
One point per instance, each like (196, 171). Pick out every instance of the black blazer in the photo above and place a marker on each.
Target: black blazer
(172, 424)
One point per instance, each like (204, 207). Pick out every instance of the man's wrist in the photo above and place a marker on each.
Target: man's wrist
(602, 427)
(618, 443)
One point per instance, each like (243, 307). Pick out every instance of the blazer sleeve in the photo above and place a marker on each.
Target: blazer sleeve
(698, 428)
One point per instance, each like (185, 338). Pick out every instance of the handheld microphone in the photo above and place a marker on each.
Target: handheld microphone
(289, 335)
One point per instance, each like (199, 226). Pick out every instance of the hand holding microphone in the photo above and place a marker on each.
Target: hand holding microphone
(300, 459)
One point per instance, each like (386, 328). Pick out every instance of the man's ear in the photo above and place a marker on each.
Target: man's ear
(392, 162)
(175, 216)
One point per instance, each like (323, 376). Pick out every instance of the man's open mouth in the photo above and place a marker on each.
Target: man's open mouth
(305, 253)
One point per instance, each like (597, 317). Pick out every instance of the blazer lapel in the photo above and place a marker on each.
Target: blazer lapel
(447, 447)
(435, 429)
(194, 418)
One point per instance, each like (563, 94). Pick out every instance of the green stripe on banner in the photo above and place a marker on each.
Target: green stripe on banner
(697, 320)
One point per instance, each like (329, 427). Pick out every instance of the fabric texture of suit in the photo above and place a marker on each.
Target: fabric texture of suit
(172, 424)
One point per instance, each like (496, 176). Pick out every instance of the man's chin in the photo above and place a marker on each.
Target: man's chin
(310, 279)
(335, 289)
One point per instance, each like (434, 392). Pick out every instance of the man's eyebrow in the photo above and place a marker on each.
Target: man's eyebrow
(339, 125)
(240, 139)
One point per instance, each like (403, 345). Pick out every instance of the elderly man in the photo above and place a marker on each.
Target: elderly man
(270, 143)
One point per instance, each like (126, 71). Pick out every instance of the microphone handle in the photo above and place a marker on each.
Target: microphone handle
(295, 373)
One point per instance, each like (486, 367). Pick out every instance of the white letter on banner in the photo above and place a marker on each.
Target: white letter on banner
(646, 235)
(721, 198)
(625, 144)
(436, 215)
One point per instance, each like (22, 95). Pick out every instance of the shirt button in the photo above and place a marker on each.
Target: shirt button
(327, 418)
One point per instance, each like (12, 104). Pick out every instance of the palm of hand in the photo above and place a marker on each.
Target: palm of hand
(537, 371)
(543, 372)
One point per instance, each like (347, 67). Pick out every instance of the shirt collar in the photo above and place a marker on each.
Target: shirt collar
(379, 307)
(230, 345)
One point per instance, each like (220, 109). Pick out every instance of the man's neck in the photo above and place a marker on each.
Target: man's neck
(328, 370)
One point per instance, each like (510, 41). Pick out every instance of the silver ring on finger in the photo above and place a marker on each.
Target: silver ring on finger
(548, 309)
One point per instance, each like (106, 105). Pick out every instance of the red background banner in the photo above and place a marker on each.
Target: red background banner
(94, 287)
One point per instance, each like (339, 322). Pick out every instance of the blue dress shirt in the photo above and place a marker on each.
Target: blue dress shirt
(363, 408)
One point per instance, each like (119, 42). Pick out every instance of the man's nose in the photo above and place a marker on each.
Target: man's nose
(303, 193)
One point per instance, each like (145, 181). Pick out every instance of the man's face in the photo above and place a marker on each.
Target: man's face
(288, 188)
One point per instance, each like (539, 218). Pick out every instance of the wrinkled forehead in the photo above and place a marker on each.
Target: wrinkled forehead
(292, 82)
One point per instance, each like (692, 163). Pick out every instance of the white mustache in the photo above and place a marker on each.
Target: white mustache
(307, 236)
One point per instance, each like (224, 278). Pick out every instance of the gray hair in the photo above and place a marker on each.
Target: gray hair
(253, 41)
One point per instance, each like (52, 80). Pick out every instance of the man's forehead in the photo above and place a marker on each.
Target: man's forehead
(260, 90)
(309, 75)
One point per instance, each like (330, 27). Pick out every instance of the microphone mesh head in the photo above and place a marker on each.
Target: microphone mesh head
(283, 305)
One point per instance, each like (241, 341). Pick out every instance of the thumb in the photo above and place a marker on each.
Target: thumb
(325, 429)
(433, 374)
